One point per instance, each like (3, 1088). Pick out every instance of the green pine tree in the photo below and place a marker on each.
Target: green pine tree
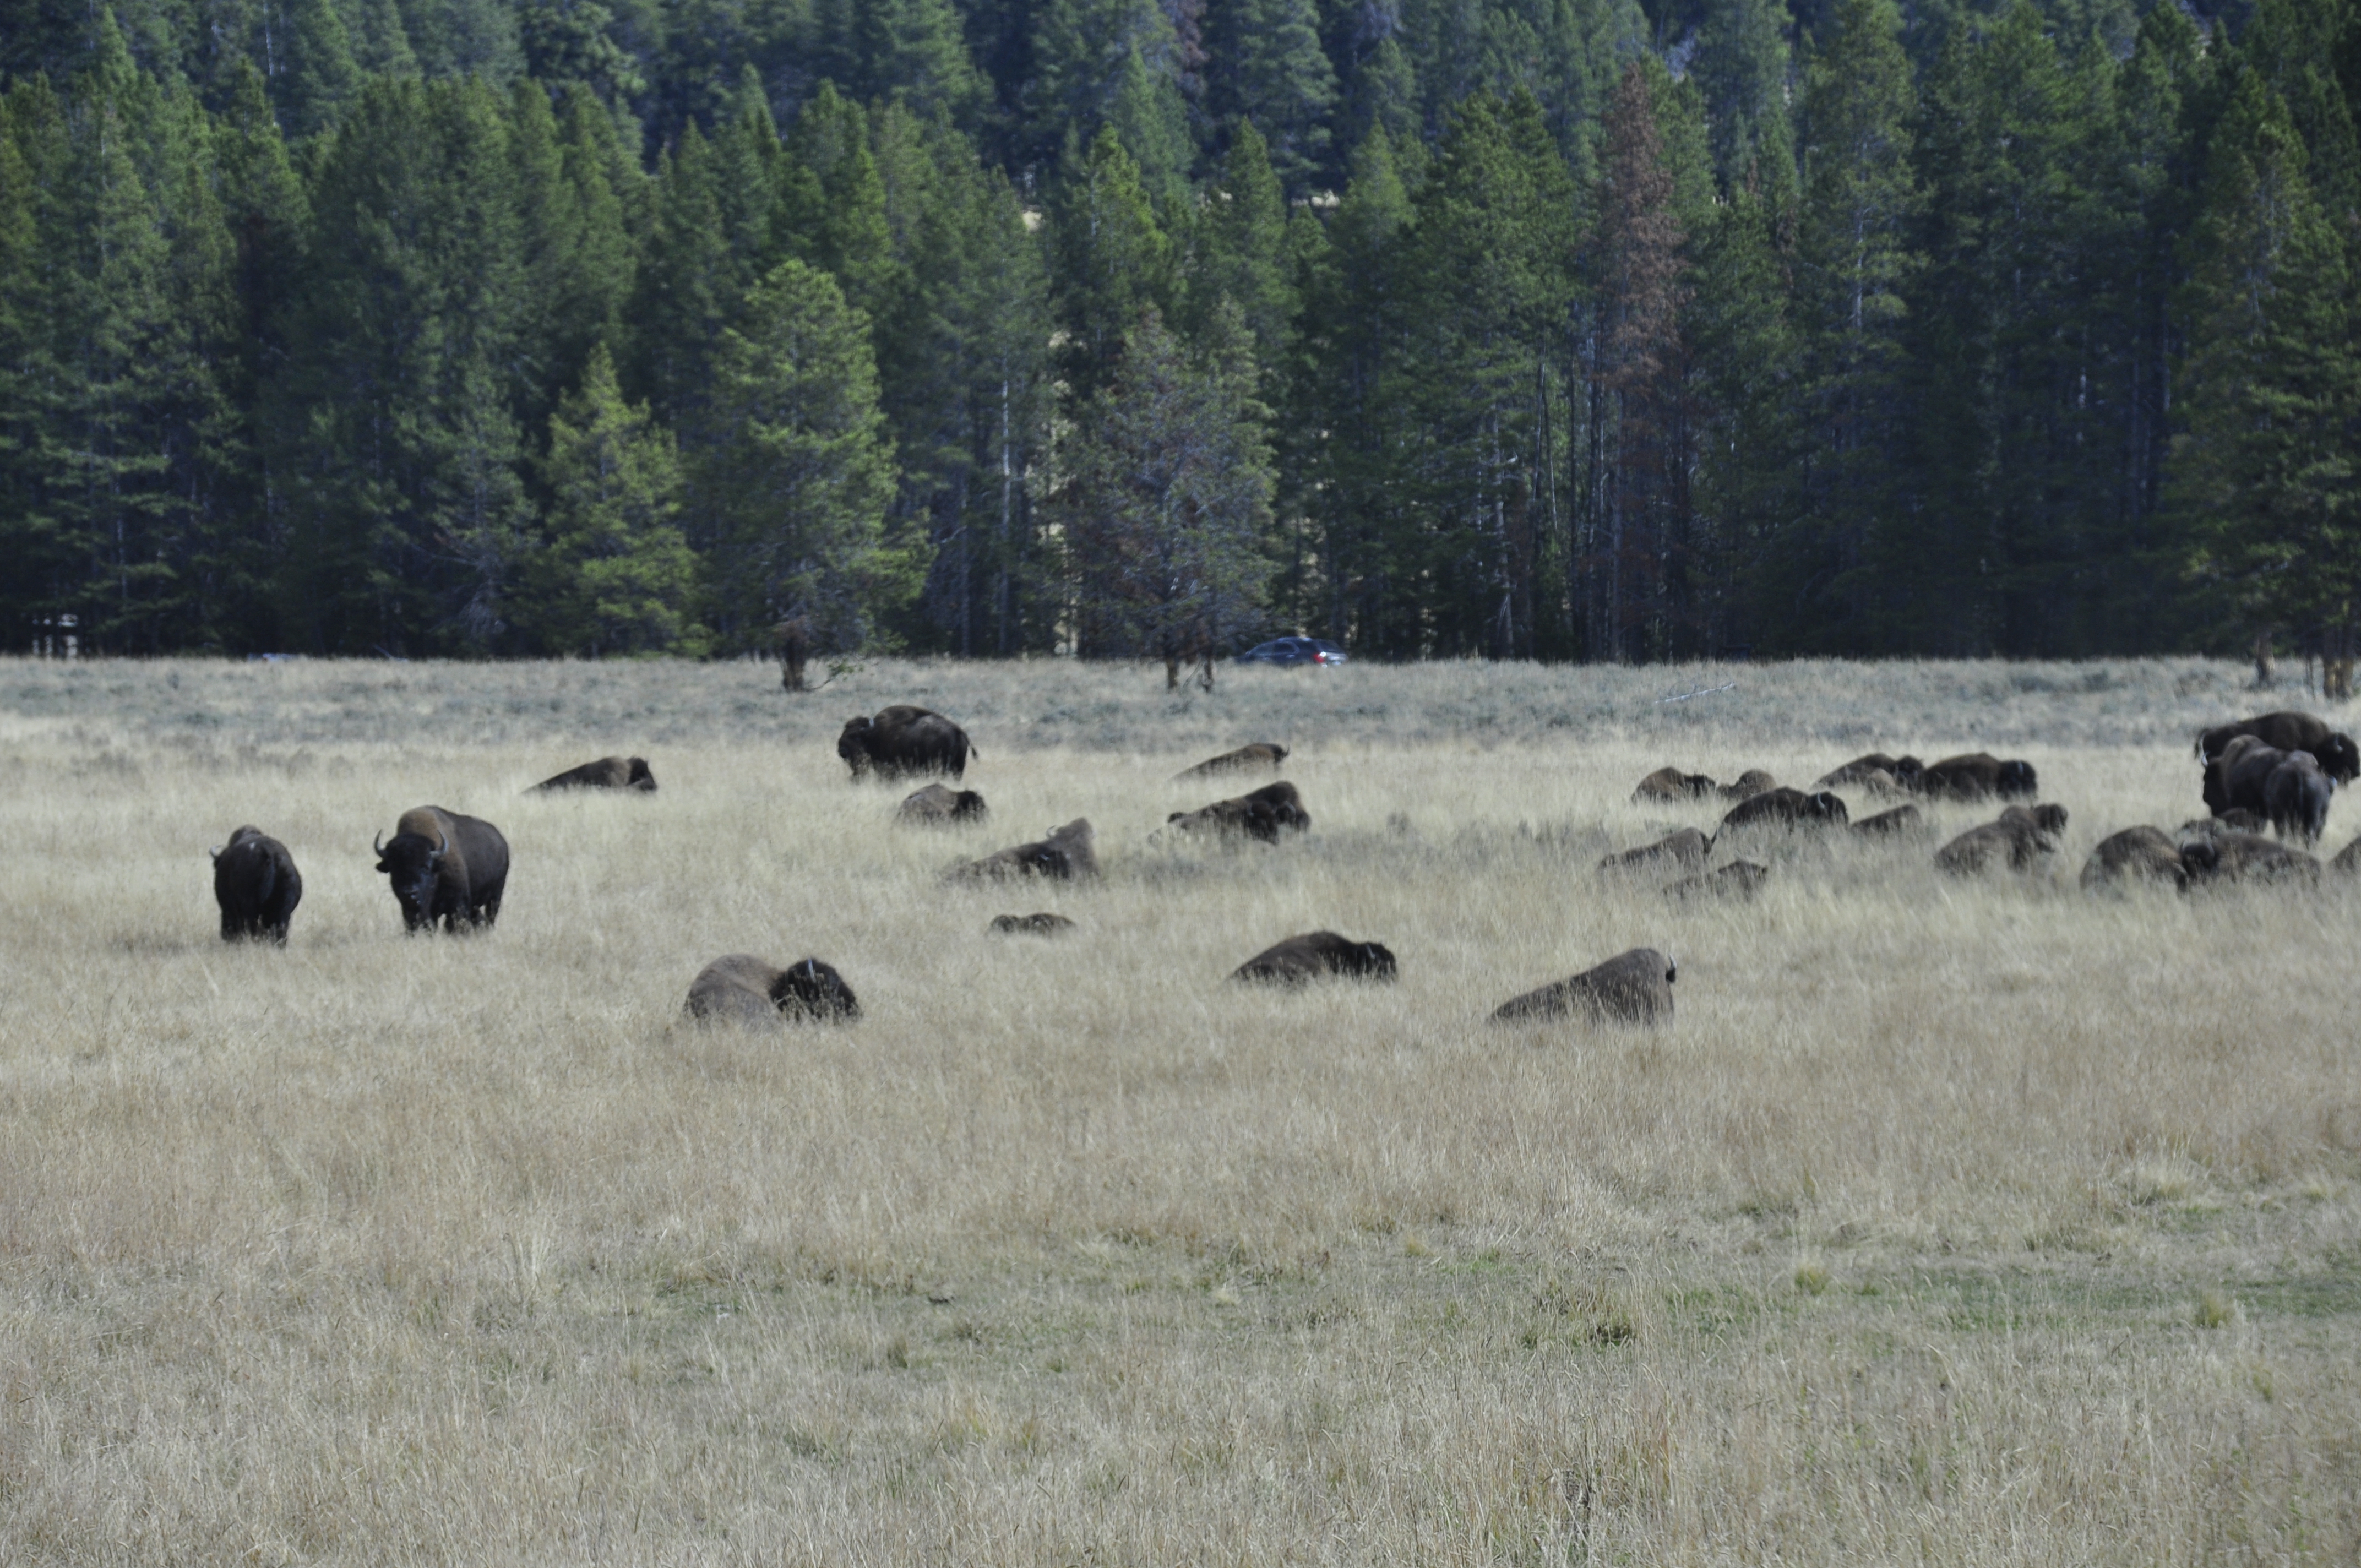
(320, 77)
(1110, 259)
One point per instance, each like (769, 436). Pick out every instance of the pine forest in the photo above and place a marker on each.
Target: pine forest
(1519, 329)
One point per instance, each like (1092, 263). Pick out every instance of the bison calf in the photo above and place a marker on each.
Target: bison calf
(445, 868)
(1246, 759)
(1629, 987)
(1315, 954)
(257, 886)
(1042, 925)
(607, 772)
(1062, 856)
(937, 806)
(743, 988)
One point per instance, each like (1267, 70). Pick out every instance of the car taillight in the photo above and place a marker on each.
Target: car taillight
(1318, 657)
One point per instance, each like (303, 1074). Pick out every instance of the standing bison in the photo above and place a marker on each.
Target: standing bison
(902, 741)
(445, 868)
(257, 886)
(790, 641)
(743, 988)
(2338, 757)
(2296, 795)
(607, 772)
(1315, 954)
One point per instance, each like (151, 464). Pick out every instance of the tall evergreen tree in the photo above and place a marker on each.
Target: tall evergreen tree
(1111, 258)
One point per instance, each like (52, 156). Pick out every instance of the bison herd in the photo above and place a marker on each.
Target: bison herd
(2275, 774)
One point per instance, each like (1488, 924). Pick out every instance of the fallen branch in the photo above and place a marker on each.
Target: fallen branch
(1701, 691)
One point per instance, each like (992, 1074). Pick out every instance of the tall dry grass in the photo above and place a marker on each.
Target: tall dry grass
(1949, 1222)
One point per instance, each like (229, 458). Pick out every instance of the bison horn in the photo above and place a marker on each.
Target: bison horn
(443, 847)
(379, 848)
(214, 853)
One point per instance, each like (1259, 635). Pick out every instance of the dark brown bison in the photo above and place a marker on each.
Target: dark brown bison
(937, 806)
(1782, 806)
(791, 642)
(1629, 987)
(1686, 849)
(2214, 789)
(1900, 822)
(2136, 854)
(743, 988)
(2338, 757)
(2247, 857)
(2049, 819)
(1901, 772)
(2237, 776)
(1246, 759)
(1042, 925)
(1740, 879)
(2236, 821)
(2296, 795)
(1670, 783)
(607, 772)
(2016, 842)
(1062, 856)
(1316, 954)
(1749, 785)
(1978, 775)
(1262, 813)
(902, 741)
(445, 868)
(257, 886)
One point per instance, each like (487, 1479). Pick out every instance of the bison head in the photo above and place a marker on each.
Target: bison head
(641, 777)
(854, 744)
(2339, 758)
(1377, 959)
(2017, 782)
(414, 864)
(1826, 807)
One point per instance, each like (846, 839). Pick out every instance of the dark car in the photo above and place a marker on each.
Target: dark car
(1294, 651)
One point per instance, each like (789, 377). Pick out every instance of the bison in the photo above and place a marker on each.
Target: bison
(1901, 821)
(2296, 794)
(1262, 813)
(790, 641)
(1062, 856)
(257, 886)
(1042, 925)
(1246, 759)
(1629, 987)
(2136, 854)
(1669, 784)
(902, 741)
(2237, 819)
(607, 772)
(446, 867)
(2236, 780)
(2247, 857)
(2338, 757)
(1786, 808)
(2049, 819)
(1749, 785)
(2017, 842)
(1740, 879)
(1978, 775)
(743, 988)
(1315, 954)
(1899, 773)
(1686, 849)
(939, 807)
(2348, 860)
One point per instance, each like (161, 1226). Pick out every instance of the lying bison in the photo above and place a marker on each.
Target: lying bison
(1686, 849)
(2296, 795)
(1785, 807)
(1749, 785)
(937, 806)
(1262, 813)
(1629, 987)
(902, 741)
(2016, 842)
(1978, 775)
(2247, 857)
(2136, 854)
(1902, 821)
(2049, 819)
(1897, 772)
(1246, 759)
(2337, 755)
(1062, 856)
(1669, 784)
(607, 772)
(1314, 955)
(743, 988)
(1041, 924)
(257, 886)
(2235, 820)
(446, 867)
(1739, 879)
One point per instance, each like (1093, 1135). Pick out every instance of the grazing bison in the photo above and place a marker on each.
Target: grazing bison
(257, 886)
(446, 867)
(743, 988)
(1900, 771)
(1902, 821)
(1785, 807)
(607, 772)
(1042, 925)
(1315, 954)
(2338, 757)
(1261, 754)
(2247, 857)
(901, 741)
(2017, 842)
(1670, 783)
(1263, 814)
(1062, 856)
(2136, 854)
(791, 640)
(2296, 794)
(1686, 849)
(1978, 775)
(1629, 987)
(937, 806)
(1749, 785)
(1740, 879)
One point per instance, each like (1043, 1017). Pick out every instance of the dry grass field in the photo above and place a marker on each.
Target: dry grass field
(1948, 1222)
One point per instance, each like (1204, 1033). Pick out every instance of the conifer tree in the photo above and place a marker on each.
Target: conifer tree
(1244, 255)
(912, 52)
(1741, 66)
(1081, 52)
(320, 77)
(1111, 260)
(1150, 119)
(1281, 81)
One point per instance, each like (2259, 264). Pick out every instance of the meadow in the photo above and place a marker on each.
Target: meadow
(1948, 1222)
